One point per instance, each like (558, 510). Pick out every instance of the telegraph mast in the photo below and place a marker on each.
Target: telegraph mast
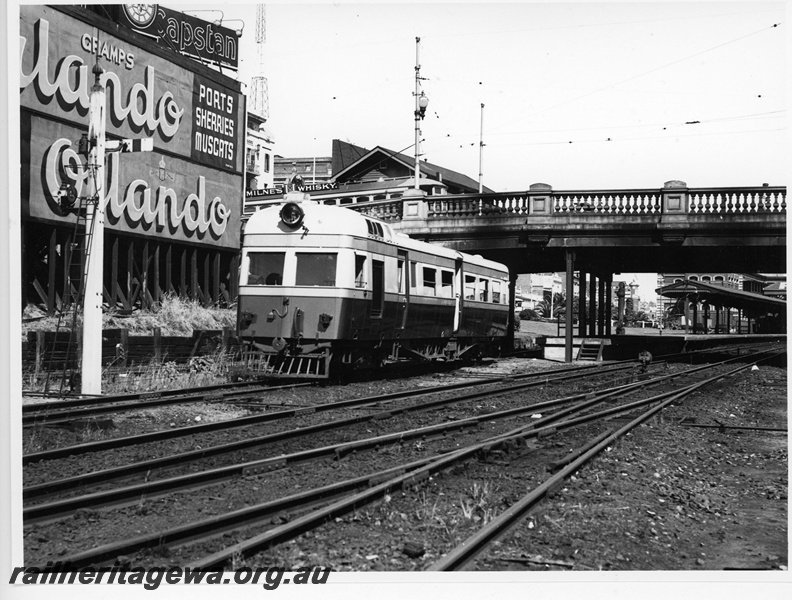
(259, 93)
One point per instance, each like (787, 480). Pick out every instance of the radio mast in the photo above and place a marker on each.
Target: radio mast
(259, 92)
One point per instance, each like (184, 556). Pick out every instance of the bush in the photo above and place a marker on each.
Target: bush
(528, 314)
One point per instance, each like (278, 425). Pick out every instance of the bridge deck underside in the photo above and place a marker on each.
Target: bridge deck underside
(742, 243)
(522, 258)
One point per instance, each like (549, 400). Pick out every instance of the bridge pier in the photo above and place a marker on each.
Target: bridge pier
(593, 313)
(592, 308)
(601, 305)
(570, 286)
(582, 312)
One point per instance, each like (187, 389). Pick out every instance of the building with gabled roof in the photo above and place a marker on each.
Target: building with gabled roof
(354, 174)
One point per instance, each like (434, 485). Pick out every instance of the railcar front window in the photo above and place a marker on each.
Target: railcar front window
(266, 268)
(316, 268)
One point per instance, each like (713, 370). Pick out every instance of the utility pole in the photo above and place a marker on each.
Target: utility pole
(91, 371)
(481, 152)
(421, 102)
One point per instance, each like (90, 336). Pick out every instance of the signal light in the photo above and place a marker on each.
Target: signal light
(292, 215)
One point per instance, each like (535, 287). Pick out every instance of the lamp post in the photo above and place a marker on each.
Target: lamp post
(421, 102)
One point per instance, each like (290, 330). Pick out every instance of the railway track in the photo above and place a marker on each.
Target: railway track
(53, 414)
(150, 467)
(537, 378)
(58, 412)
(577, 412)
(470, 548)
(44, 415)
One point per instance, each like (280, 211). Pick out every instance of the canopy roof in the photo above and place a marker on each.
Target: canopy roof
(719, 295)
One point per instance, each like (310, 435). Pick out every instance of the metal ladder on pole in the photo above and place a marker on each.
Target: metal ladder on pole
(77, 257)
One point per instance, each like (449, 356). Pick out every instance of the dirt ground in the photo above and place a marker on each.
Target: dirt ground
(674, 497)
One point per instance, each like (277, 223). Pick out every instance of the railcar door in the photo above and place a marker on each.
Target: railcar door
(458, 277)
(403, 285)
(377, 288)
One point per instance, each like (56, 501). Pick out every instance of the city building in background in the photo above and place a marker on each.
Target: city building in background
(353, 175)
(532, 289)
(260, 167)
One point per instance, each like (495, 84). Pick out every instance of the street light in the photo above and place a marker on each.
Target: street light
(423, 102)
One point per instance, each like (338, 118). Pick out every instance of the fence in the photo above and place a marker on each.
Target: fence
(44, 351)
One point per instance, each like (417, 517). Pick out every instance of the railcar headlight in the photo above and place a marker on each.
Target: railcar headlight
(292, 215)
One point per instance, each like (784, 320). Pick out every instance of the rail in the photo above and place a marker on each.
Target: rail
(543, 201)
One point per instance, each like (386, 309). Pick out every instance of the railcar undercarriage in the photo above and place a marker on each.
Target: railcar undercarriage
(287, 359)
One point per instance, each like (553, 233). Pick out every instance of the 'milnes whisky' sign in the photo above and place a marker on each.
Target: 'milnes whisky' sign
(184, 33)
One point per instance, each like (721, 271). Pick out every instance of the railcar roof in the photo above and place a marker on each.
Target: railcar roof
(322, 219)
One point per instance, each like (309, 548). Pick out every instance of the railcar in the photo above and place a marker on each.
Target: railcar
(324, 289)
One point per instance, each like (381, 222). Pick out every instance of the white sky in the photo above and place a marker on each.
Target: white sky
(583, 95)
(621, 81)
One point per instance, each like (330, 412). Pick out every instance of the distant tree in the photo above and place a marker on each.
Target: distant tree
(543, 309)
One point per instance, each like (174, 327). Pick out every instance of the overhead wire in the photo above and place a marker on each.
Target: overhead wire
(643, 74)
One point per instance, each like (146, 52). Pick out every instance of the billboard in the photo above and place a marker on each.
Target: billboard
(189, 35)
(188, 189)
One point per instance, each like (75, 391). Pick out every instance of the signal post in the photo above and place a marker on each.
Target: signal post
(95, 196)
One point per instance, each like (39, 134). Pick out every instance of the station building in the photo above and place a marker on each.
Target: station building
(172, 215)
(723, 302)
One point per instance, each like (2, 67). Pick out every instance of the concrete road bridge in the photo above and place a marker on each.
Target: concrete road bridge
(671, 229)
(599, 233)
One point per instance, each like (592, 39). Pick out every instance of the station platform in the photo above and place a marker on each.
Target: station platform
(626, 347)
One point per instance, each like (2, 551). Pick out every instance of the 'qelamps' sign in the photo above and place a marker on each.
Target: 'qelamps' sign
(189, 188)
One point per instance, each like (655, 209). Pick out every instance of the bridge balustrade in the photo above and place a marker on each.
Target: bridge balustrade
(545, 202)
(740, 201)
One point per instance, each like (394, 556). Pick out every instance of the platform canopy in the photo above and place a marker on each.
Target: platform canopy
(718, 295)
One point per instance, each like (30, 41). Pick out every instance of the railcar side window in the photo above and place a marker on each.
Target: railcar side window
(496, 294)
(430, 281)
(266, 268)
(446, 284)
(316, 268)
(470, 287)
(484, 290)
(360, 271)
